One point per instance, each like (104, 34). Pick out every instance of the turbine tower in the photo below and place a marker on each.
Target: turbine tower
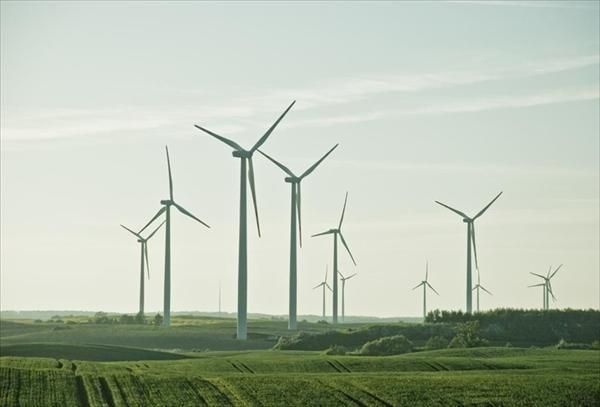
(547, 285)
(425, 284)
(337, 232)
(294, 182)
(343, 293)
(470, 241)
(323, 284)
(477, 287)
(143, 259)
(166, 208)
(247, 171)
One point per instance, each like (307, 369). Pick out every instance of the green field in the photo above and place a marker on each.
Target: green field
(93, 365)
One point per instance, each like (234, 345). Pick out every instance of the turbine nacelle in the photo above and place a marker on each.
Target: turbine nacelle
(292, 180)
(242, 153)
(467, 220)
(166, 202)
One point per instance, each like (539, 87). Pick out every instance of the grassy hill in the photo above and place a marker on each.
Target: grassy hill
(490, 376)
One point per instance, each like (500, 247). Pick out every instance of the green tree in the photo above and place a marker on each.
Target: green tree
(158, 320)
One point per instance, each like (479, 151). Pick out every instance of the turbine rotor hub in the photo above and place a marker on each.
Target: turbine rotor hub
(241, 154)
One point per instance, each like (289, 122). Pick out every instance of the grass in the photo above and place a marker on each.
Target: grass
(113, 365)
(490, 376)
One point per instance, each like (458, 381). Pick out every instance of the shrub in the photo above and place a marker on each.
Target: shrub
(336, 350)
(467, 336)
(436, 342)
(596, 344)
(567, 345)
(158, 320)
(389, 345)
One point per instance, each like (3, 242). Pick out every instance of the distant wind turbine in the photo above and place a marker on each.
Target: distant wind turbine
(166, 208)
(343, 293)
(470, 240)
(323, 284)
(295, 181)
(143, 259)
(477, 287)
(425, 284)
(337, 232)
(245, 157)
(547, 285)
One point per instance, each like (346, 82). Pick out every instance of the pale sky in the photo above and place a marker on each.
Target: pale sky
(450, 101)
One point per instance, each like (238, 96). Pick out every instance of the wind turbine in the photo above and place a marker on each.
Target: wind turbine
(547, 285)
(143, 259)
(166, 208)
(343, 293)
(323, 284)
(295, 181)
(337, 232)
(543, 285)
(425, 284)
(470, 240)
(246, 159)
(477, 287)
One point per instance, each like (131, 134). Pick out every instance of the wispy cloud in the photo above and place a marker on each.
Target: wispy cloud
(586, 5)
(241, 113)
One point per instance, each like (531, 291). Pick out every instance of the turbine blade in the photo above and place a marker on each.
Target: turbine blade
(478, 281)
(155, 230)
(549, 288)
(483, 288)
(538, 275)
(160, 212)
(328, 232)
(417, 286)
(315, 165)
(146, 257)
(343, 211)
(277, 163)
(349, 277)
(487, 206)
(475, 287)
(268, 133)
(253, 192)
(472, 226)
(170, 177)
(426, 269)
(452, 209)
(131, 231)
(327, 285)
(537, 285)
(186, 212)
(230, 143)
(556, 271)
(298, 208)
(347, 248)
(549, 271)
(317, 286)
(326, 271)
(430, 286)
(340, 273)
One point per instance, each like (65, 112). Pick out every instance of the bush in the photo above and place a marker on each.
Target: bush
(566, 345)
(336, 350)
(158, 320)
(467, 336)
(436, 342)
(527, 327)
(596, 344)
(389, 345)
